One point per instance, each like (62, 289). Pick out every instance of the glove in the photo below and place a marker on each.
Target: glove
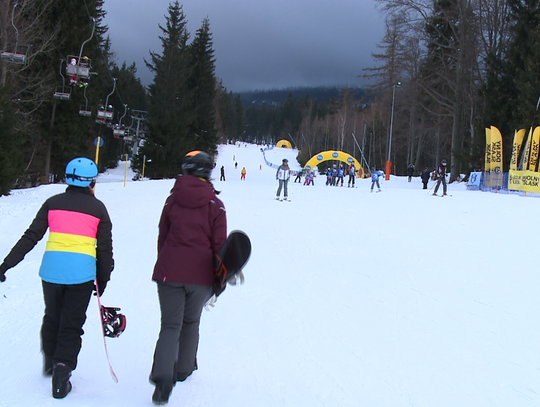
(3, 269)
(101, 285)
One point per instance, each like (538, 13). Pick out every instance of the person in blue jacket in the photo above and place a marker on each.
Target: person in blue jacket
(340, 175)
(375, 179)
(352, 175)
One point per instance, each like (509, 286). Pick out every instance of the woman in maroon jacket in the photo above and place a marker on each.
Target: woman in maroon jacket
(193, 226)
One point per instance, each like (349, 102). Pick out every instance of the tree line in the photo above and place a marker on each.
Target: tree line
(445, 70)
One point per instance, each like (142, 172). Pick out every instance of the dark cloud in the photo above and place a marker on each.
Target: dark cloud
(260, 44)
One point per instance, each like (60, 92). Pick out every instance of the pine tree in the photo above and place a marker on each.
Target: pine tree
(170, 108)
(202, 84)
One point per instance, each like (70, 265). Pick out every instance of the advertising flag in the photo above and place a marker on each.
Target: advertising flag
(533, 160)
(496, 150)
(518, 141)
(487, 166)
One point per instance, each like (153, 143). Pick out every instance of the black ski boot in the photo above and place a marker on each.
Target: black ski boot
(162, 393)
(61, 385)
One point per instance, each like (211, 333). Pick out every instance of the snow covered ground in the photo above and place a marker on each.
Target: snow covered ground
(351, 298)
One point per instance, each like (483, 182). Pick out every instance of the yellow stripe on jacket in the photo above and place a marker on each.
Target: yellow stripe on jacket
(63, 242)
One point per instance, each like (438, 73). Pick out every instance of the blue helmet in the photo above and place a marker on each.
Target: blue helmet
(81, 172)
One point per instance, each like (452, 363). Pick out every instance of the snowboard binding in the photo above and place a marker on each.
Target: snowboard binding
(114, 323)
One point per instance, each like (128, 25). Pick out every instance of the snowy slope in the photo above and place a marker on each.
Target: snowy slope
(351, 298)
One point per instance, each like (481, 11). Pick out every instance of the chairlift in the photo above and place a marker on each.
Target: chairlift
(119, 129)
(14, 52)
(78, 68)
(85, 110)
(62, 92)
(105, 112)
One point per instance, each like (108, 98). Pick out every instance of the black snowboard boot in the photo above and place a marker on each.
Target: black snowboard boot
(162, 393)
(61, 385)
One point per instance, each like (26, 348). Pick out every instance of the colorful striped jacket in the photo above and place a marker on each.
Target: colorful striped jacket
(79, 246)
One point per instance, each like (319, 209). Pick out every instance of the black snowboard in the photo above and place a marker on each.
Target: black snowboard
(230, 259)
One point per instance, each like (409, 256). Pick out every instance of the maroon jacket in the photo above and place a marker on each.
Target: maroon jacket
(193, 226)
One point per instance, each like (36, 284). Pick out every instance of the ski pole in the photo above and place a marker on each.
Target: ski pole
(432, 186)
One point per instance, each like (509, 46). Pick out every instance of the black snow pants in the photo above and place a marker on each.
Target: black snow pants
(65, 314)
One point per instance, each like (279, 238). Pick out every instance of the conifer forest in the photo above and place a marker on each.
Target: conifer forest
(444, 71)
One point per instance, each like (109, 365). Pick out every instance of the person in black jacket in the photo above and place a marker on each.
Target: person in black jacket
(78, 253)
(426, 174)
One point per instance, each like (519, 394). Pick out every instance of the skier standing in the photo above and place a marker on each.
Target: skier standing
(425, 177)
(243, 174)
(340, 175)
(352, 175)
(328, 176)
(375, 179)
(410, 171)
(222, 171)
(282, 175)
(193, 226)
(78, 252)
(441, 177)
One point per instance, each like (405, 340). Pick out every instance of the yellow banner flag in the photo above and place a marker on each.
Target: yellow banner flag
(524, 163)
(533, 160)
(487, 166)
(496, 150)
(518, 141)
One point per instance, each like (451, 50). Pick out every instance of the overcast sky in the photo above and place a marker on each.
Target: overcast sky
(260, 44)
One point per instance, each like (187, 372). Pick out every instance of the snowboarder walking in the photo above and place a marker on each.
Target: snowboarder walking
(441, 177)
(282, 175)
(78, 252)
(375, 179)
(193, 226)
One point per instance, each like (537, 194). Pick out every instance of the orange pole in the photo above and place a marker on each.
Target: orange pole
(388, 168)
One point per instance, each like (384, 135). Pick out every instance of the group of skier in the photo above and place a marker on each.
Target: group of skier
(78, 260)
(335, 175)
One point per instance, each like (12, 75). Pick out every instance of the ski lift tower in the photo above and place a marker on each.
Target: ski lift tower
(140, 130)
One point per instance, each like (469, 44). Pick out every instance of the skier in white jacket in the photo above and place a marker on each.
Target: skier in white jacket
(282, 175)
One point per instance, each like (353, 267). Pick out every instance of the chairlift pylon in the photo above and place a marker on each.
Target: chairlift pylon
(14, 52)
(62, 92)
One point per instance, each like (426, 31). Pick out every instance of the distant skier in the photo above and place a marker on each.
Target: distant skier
(352, 175)
(222, 171)
(334, 174)
(441, 177)
(375, 179)
(340, 175)
(243, 174)
(78, 252)
(328, 176)
(282, 175)
(298, 177)
(410, 171)
(425, 177)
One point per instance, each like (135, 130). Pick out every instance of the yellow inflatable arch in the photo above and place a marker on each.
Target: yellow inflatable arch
(284, 144)
(333, 155)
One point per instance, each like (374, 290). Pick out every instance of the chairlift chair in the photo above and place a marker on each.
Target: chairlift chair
(85, 110)
(62, 92)
(14, 52)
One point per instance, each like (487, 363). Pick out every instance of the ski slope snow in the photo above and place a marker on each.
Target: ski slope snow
(351, 298)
